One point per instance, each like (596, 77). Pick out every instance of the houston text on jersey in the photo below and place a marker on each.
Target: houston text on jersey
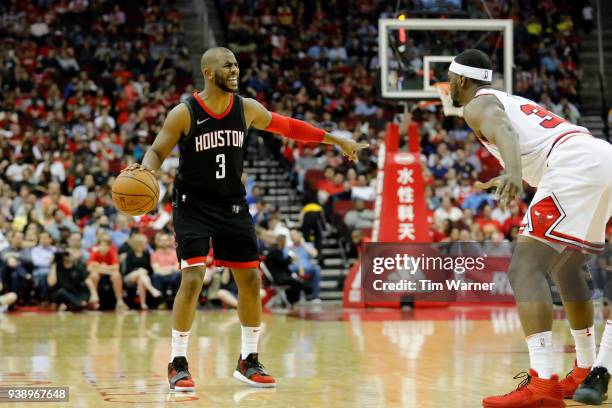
(219, 138)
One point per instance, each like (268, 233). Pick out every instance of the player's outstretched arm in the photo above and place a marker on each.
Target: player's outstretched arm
(259, 117)
(176, 124)
(486, 116)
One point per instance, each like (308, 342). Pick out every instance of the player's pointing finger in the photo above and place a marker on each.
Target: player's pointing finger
(494, 182)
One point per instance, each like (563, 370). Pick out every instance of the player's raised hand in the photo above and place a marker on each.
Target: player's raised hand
(508, 187)
(350, 147)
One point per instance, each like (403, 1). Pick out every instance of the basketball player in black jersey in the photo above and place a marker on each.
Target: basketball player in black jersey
(209, 204)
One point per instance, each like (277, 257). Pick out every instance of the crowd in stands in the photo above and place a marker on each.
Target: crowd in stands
(86, 86)
(318, 61)
(83, 94)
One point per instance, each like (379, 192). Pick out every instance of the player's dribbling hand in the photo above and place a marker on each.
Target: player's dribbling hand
(350, 148)
(138, 166)
(509, 187)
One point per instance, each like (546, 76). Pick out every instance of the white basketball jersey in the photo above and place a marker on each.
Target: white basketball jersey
(537, 129)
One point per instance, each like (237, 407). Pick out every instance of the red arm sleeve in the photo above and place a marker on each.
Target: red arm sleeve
(295, 129)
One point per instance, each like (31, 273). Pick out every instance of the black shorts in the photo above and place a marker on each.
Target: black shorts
(229, 227)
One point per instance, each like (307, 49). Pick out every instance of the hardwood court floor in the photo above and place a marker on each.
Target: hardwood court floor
(422, 359)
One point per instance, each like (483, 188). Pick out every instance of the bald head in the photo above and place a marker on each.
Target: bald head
(211, 58)
(220, 68)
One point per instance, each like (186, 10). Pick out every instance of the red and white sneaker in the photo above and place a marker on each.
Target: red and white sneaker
(573, 380)
(179, 378)
(251, 372)
(532, 392)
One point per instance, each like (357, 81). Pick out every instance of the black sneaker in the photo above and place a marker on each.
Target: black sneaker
(251, 371)
(179, 378)
(594, 388)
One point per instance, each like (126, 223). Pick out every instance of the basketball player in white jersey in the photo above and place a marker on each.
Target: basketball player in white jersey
(567, 217)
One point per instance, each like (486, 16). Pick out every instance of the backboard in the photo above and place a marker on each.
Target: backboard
(415, 53)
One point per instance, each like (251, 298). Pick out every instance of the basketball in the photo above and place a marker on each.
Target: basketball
(135, 192)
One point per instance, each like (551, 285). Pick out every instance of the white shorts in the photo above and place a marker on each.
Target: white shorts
(573, 202)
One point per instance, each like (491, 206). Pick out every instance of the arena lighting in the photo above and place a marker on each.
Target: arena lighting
(402, 34)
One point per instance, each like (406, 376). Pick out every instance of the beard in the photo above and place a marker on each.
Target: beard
(455, 100)
(222, 83)
(454, 96)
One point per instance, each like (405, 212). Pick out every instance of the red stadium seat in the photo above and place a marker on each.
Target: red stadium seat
(367, 232)
(341, 207)
(369, 204)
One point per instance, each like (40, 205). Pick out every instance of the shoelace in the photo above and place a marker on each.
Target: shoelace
(257, 365)
(526, 379)
(591, 379)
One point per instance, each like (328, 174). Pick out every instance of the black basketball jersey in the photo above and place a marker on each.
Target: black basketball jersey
(211, 154)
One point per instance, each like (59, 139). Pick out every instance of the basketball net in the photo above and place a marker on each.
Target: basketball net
(443, 89)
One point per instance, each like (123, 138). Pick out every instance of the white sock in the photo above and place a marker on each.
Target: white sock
(604, 357)
(585, 347)
(250, 338)
(541, 353)
(179, 344)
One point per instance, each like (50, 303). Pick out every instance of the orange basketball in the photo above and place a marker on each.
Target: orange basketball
(135, 192)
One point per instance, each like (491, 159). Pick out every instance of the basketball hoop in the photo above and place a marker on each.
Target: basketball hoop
(443, 89)
(435, 58)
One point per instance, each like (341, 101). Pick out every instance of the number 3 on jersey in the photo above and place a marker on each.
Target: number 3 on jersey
(220, 159)
(550, 119)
